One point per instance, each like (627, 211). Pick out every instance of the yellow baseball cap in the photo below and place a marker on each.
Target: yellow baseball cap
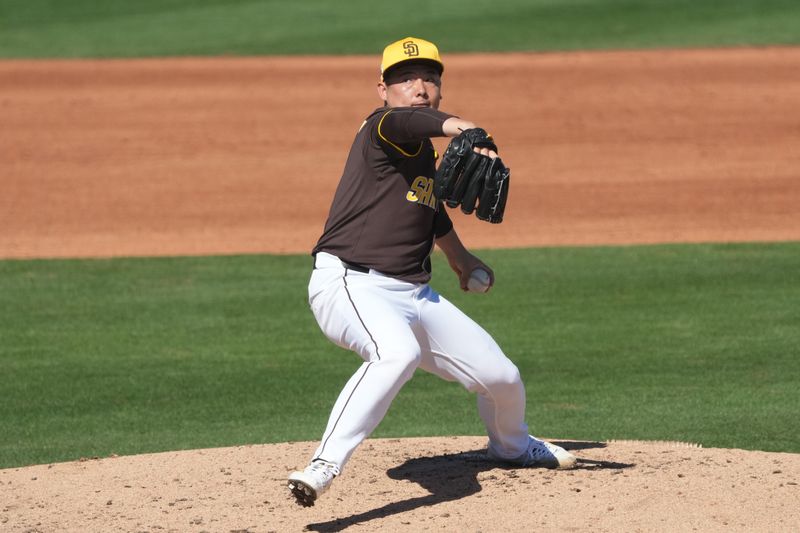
(411, 49)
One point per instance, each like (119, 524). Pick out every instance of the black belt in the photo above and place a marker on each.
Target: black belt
(355, 266)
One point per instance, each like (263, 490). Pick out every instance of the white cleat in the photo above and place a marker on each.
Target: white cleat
(540, 454)
(312, 482)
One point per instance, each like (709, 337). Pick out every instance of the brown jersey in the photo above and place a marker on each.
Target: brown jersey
(384, 215)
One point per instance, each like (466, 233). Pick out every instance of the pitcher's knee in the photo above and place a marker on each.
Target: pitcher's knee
(504, 375)
(403, 362)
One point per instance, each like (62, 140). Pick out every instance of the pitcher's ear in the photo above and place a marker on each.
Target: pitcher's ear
(382, 90)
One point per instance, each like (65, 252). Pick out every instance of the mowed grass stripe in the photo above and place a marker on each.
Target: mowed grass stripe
(671, 342)
(120, 28)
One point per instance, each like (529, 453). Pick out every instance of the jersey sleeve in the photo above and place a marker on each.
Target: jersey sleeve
(410, 124)
(442, 223)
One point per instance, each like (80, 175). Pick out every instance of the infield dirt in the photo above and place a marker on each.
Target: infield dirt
(219, 156)
(210, 156)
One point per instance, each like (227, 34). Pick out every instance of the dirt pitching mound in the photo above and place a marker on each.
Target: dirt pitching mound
(417, 484)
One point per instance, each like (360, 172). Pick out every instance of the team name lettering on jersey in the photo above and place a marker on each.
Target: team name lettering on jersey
(422, 192)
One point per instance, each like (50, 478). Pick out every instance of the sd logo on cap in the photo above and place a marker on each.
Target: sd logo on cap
(411, 49)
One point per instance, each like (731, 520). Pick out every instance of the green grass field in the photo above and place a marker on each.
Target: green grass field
(121, 28)
(674, 342)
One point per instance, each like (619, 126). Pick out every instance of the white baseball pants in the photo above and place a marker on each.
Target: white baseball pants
(395, 327)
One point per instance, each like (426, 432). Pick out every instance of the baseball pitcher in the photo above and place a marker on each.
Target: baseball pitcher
(369, 287)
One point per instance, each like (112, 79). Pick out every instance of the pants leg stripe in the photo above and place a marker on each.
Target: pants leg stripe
(366, 368)
(349, 297)
(325, 442)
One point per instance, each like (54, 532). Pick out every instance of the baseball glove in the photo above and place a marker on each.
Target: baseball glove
(465, 177)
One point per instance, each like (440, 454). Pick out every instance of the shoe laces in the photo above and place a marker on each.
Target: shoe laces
(538, 450)
(324, 469)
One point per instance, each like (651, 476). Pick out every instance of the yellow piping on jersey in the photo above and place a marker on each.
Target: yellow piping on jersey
(394, 145)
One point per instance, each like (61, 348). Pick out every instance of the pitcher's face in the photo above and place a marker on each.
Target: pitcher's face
(411, 85)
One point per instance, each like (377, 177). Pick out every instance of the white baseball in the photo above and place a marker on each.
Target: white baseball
(479, 281)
